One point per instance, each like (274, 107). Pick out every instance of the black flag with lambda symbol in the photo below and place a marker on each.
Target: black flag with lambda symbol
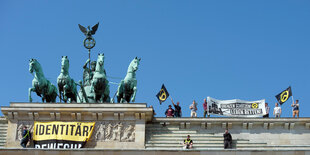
(284, 95)
(163, 94)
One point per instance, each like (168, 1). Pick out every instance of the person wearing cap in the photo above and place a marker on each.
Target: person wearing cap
(188, 143)
(169, 112)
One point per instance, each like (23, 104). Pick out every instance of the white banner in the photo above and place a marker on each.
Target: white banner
(236, 107)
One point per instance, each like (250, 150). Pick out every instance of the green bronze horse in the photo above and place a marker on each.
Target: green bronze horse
(99, 82)
(66, 85)
(40, 84)
(127, 89)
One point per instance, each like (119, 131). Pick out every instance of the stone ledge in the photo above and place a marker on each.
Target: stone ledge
(75, 111)
(231, 119)
(72, 105)
(228, 122)
(154, 151)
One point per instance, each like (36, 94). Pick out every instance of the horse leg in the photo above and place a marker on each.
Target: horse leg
(107, 94)
(29, 93)
(134, 94)
(65, 95)
(53, 94)
(59, 95)
(124, 99)
(43, 98)
(74, 92)
(120, 91)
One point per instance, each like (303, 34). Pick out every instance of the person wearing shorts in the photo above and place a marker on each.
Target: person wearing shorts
(295, 108)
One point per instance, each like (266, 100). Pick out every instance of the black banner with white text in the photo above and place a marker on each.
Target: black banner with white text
(236, 107)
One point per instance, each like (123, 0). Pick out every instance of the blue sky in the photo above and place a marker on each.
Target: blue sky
(248, 50)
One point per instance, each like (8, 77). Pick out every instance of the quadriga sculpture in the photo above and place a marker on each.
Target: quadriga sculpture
(128, 87)
(99, 83)
(40, 84)
(66, 85)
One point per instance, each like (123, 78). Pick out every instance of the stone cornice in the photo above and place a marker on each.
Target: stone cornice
(74, 111)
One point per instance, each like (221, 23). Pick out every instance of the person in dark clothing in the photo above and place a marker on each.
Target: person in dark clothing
(295, 106)
(177, 111)
(188, 143)
(205, 108)
(26, 137)
(169, 112)
(227, 140)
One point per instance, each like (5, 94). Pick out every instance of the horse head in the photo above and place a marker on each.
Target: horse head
(134, 64)
(33, 65)
(64, 64)
(100, 62)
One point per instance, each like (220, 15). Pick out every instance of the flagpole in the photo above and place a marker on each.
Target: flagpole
(171, 98)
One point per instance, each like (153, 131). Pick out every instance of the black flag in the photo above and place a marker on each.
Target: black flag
(284, 95)
(163, 94)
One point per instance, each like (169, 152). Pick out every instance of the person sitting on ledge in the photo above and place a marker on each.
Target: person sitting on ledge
(26, 137)
(188, 143)
(227, 140)
(169, 112)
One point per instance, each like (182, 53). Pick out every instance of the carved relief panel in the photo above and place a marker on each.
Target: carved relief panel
(114, 131)
(20, 125)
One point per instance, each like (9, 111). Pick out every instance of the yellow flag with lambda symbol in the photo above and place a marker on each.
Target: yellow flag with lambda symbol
(163, 94)
(284, 95)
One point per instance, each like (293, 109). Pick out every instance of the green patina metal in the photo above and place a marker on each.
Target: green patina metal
(89, 42)
(95, 86)
(66, 85)
(99, 83)
(44, 88)
(127, 89)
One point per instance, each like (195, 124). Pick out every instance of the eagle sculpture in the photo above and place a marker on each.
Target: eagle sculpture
(89, 32)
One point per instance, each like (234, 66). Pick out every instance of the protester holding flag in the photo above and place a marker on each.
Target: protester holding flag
(277, 111)
(295, 108)
(177, 109)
